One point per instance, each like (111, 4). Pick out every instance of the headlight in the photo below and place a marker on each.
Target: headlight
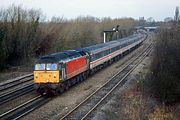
(36, 75)
(54, 75)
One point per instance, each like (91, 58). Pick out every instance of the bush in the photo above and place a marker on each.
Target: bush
(164, 80)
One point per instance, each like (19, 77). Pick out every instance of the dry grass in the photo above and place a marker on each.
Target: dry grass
(134, 105)
(162, 113)
(137, 105)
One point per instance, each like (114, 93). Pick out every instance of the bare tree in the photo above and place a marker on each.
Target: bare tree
(24, 34)
(176, 17)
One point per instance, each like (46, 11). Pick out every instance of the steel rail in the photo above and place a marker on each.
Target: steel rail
(25, 108)
(102, 99)
(20, 106)
(102, 85)
(31, 108)
(6, 97)
(16, 82)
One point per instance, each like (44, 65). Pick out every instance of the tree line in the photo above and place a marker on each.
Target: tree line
(26, 34)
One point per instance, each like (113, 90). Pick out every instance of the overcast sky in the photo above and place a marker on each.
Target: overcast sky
(158, 9)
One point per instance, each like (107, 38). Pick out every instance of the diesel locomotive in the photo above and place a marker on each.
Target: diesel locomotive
(56, 72)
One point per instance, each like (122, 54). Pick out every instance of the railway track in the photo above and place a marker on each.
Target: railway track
(7, 96)
(12, 89)
(17, 81)
(25, 108)
(87, 106)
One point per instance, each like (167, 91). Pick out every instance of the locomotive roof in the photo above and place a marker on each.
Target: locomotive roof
(52, 58)
(56, 57)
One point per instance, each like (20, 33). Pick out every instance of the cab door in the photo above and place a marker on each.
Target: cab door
(63, 72)
(88, 60)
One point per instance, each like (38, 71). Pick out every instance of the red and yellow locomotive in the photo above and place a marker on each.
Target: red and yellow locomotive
(52, 71)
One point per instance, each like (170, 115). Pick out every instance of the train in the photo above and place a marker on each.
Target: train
(56, 72)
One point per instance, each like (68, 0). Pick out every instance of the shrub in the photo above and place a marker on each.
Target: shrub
(164, 80)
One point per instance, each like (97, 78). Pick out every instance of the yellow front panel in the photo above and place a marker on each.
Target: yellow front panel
(46, 76)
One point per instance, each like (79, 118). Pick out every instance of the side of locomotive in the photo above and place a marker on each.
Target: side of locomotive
(52, 72)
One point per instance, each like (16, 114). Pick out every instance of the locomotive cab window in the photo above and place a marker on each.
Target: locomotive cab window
(40, 67)
(51, 66)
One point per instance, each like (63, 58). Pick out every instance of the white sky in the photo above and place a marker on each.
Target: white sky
(158, 9)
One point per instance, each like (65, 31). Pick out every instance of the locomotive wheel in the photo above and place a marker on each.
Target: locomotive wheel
(69, 83)
(61, 89)
(78, 79)
(66, 86)
(40, 91)
(81, 78)
(56, 92)
(84, 76)
(92, 72)
(73, 81)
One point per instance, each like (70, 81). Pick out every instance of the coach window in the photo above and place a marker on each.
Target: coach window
(114, 49)
(107, 52)
(95, 56)
(99, 54)
(117, 47)
(103, 53)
